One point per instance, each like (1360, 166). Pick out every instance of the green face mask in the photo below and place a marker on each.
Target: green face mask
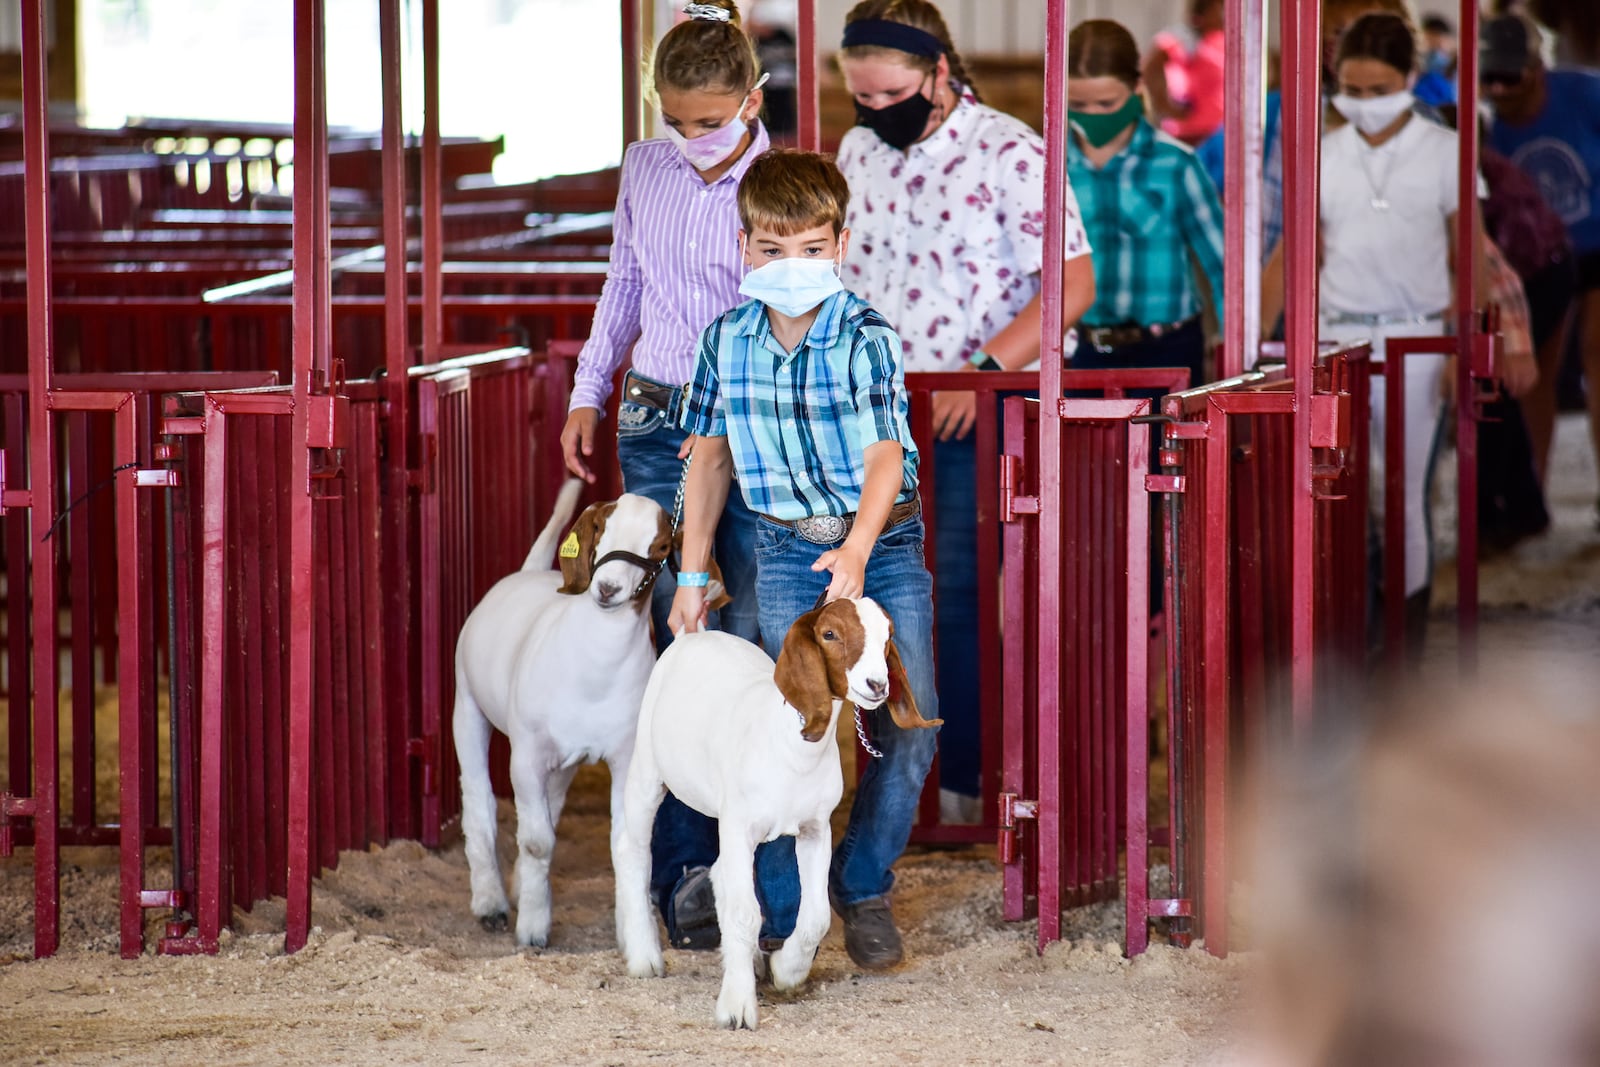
(1100, 128)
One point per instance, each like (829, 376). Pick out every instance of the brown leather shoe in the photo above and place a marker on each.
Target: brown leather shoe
(870, 935)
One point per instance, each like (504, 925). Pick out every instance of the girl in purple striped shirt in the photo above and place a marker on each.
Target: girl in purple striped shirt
(675, 266)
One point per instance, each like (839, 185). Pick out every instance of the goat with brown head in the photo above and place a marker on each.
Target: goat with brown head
(844, 650)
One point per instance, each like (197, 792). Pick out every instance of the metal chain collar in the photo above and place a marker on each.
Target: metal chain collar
(861, 732)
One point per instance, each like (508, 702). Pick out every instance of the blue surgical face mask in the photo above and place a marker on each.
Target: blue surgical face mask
(793, 286)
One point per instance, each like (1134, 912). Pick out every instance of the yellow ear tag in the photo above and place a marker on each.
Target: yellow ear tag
(569, 547)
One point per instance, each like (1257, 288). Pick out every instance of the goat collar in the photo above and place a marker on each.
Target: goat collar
(652, 568)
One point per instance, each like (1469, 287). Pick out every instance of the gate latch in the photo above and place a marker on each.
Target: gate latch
(1013, 503)
(1013, 809)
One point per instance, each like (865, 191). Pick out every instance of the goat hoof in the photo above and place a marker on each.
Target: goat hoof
(647, 967)
(498, 923)
(737, 1012)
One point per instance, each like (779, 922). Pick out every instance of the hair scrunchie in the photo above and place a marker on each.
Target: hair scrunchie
(708, 12)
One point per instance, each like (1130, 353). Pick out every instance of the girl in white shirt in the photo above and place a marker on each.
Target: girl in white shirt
(1388, 212)
(947, 223)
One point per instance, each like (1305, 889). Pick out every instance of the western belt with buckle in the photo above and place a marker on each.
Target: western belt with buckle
(831, 529)
(637, 389)
(1108, 337)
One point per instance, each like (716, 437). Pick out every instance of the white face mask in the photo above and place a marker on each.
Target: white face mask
(793, 286)
(1373, 114)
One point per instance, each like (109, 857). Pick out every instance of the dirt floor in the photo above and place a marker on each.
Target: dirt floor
(397, 970)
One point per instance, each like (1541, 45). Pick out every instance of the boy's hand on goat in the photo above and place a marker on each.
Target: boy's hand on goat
(848, 563)
(577, 441)
(688, 613)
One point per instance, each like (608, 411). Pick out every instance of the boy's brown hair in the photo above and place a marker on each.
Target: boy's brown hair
(786, 192)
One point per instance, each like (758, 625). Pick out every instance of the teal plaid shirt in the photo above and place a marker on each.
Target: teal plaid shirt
(799, 422)
(1146, 211)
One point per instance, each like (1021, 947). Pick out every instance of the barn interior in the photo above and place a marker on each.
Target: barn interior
(275, 464)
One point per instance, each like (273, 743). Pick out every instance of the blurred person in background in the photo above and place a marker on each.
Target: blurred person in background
(1511, 503)
(1438, 46)
(1148, 206)
(773, 29)
(1547, 122)
(1183, 74)
(1425, 871)
(1387, 262)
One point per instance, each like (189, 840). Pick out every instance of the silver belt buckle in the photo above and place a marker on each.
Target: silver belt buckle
(822, 529)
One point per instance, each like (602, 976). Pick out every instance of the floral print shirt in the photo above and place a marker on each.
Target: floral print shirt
(947, 238)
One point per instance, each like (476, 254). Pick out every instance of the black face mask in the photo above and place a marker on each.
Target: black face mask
(898, 125)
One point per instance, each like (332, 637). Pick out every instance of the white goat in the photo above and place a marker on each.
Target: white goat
(558, 663)
(751, 743)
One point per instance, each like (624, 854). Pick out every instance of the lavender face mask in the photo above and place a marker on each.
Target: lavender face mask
(710, 149)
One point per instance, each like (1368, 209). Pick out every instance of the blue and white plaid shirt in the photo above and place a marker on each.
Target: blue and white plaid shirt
(798, 423)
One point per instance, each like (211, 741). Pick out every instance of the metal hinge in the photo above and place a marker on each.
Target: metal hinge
(1013, 809)
(12, 498)
(13, 807)
(1011, 503)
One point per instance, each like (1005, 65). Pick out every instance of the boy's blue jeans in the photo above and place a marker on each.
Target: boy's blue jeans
(647, 452)
(885, 803)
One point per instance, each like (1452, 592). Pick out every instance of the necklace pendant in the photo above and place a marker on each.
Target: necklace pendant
(1380, 204)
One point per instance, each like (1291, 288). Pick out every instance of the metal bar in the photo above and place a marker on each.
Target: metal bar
(1302, 112)
(432, 189)
(632, 90)
(135, 708)
(396, 657)
(18, 557)
(79, 571)
(1136, 680)
(1057, 19)
(1468, 327)
(1394, 505)
(213, 905)
(808, 84)
(1014, 599)
(311, 312)
(1244, 72)
(1217, 562)
(42, 483)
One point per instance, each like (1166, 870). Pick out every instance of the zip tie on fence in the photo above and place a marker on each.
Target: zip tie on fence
(51, 529)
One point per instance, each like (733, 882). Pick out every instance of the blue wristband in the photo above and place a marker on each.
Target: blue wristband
(694, 579)
(984, 361)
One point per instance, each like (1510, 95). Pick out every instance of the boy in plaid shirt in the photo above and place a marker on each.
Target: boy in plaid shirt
(799, 393)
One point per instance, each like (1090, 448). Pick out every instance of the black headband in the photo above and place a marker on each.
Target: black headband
(896, 35)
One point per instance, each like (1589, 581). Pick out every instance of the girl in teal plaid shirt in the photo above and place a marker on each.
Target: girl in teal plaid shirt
(1148, 206)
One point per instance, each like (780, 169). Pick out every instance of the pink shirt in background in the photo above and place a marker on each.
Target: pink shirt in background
(1194, 79)
(675, 266)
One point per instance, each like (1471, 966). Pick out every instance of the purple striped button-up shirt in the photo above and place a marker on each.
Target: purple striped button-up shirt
(675, 266)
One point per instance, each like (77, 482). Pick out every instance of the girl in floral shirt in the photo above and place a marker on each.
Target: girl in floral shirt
(947, 217)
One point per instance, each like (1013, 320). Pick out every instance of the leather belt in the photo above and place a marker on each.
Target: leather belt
(831, 529)
(637, 389)
(1108, 337)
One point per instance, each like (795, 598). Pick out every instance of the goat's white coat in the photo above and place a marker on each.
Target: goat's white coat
(562, 676)
(716, 731)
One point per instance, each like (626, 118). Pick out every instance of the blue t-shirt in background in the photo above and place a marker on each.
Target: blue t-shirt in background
(1560, 151)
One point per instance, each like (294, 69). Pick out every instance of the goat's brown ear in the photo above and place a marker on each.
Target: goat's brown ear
(902, 705)
(802, 676)
(716, 589)
(576, 554)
